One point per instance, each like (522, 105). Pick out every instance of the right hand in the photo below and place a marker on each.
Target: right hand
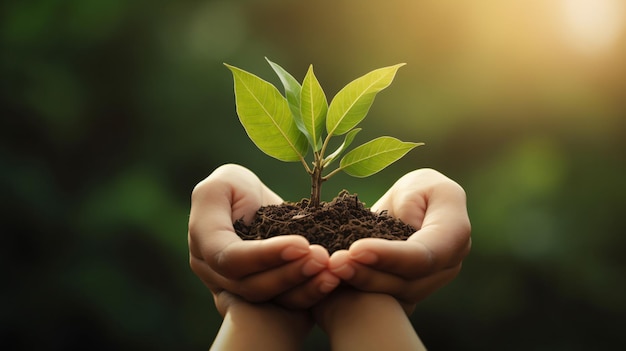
(285, 269)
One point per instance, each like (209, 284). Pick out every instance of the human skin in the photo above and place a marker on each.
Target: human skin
(258, 326)
(353, 320)
(286, 269)
(357, 320)
(429, 259)
(290, 272)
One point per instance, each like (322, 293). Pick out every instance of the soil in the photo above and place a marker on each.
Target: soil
(334, 225)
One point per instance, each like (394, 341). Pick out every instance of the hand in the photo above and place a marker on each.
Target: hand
(283, 269)
(429, 259)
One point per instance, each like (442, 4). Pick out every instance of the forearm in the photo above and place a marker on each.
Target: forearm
(371, 322)
(260, 327)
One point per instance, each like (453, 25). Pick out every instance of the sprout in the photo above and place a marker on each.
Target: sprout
(286, 127)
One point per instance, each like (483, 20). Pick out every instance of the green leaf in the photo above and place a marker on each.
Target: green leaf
(313, 108)
(292, 93)
(375, 155)
(346, 143)
(351, 104)
(264, 114)
(291, 85)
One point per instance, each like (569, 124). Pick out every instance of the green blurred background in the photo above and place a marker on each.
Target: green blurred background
(112, 110)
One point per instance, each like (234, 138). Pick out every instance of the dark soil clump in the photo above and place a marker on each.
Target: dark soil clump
(334, 225)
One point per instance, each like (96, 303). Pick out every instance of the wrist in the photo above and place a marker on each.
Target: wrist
(294, 324)
(343, 305)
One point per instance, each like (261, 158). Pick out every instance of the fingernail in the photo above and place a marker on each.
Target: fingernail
(312, 267)
(327, 287)
(293, 252)
(365, 257)
(345, 272)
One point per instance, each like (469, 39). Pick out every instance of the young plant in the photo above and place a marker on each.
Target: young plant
(285, 127)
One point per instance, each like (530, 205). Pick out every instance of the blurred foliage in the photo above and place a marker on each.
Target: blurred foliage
(111, 111)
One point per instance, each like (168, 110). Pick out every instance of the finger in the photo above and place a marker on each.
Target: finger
(407, 259)
(241, 258)
(230, 192)
(435, 205)
(408, 291)
(269, 284)
(261, 289)
(313, 290)
(240, 186)
(446, 227)
(208, 276)
(310, 292)
(341, 265)
(405, 199)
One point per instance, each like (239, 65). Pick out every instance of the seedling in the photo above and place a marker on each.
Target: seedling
(286, 127)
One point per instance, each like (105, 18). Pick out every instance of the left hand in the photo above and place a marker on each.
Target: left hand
(429, 259)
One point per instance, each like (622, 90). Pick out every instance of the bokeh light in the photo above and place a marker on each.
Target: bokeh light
(593, 26)
(111, 111)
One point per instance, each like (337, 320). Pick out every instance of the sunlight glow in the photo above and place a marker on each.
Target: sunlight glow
(593, 26)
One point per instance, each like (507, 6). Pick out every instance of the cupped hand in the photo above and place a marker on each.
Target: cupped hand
(429, 259)
(284, 269)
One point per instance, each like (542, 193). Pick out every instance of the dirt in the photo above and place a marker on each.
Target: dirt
(334, 225)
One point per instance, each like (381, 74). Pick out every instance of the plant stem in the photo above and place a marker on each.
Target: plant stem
(316, 183)
(331, 174)
(306, 167)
